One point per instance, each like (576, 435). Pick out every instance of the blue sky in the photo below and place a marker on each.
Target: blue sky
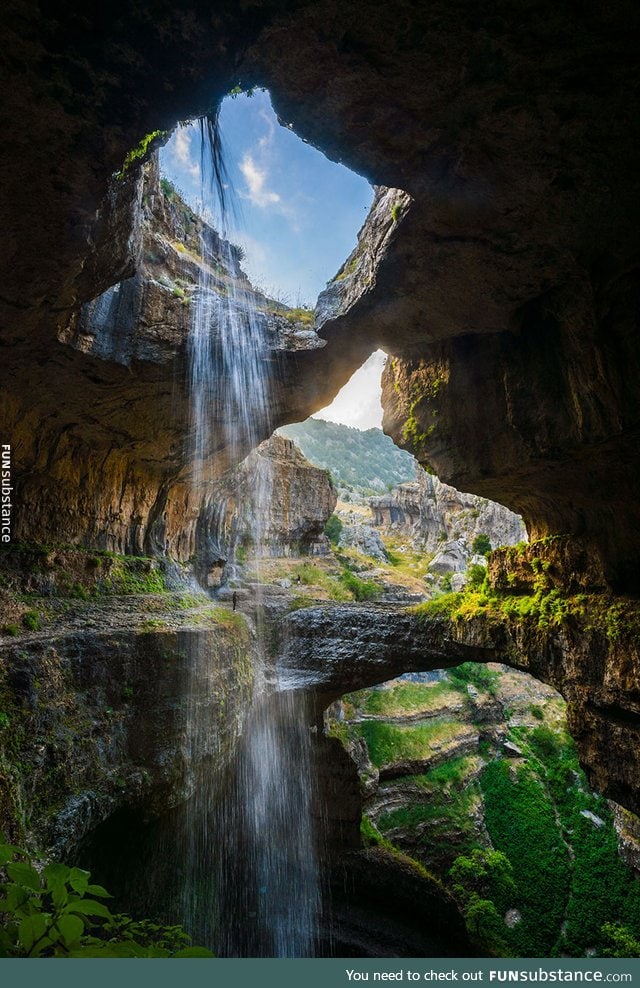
(299, 213)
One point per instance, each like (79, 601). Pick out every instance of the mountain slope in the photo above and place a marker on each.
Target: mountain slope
(367, 461)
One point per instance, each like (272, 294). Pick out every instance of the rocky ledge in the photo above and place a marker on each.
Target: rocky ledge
(585, 645)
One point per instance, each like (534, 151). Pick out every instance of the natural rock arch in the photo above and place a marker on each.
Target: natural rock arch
(512, 286)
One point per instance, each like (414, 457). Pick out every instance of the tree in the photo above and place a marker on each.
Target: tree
(481, 545)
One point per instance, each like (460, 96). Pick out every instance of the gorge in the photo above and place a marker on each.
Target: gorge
(497, 268)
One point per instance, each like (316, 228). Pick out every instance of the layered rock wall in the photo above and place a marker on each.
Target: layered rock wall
(439, 513)
(127, 717)
(275, 503)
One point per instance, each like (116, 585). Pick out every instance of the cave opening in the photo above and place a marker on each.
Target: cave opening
(293, 213)
(471, 772)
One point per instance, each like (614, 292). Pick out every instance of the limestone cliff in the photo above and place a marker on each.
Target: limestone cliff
(275, 503)
(505, 283)
(106, 708)
(583, 642)
(438, 513)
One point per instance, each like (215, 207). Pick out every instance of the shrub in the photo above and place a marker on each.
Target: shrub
(481, 545)
(476, 575)
(31, 620)
(360, 589)
(333, 528)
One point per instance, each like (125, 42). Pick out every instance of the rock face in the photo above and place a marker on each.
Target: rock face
(274, 503)
(127, 717)
(439, 513)
(504, 287)
(364, 538)
(592, 661)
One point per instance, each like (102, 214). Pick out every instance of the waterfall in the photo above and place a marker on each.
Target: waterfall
(250, 876)
(269, 875)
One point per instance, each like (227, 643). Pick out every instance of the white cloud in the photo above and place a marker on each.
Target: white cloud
(267, 139)
(181, 152)
(256, 178)
(358, 403)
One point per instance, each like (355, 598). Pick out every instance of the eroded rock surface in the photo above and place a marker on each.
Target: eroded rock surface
(505, 289)
(116, 710)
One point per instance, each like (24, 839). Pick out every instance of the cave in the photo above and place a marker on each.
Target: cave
(497, 268)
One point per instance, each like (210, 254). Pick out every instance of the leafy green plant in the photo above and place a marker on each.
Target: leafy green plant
(31, 620)
(481, 545)
(11, 629)
(140, 151)
(60, 913)
(476, 575)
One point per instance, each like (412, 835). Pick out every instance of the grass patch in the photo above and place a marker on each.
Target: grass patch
(520, 818)
(361, 590)
(402, 698)
(451, 814)
(388, 743)
(475, 674)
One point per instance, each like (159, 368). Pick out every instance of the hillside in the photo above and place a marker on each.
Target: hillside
(367, 461)
(472, 772)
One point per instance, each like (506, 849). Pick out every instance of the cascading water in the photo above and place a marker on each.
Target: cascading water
(257, 830)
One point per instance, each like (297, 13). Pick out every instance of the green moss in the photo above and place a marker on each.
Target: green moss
(371, 836)
(544, 607)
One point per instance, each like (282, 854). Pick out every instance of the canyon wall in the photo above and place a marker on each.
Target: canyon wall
(504, 286)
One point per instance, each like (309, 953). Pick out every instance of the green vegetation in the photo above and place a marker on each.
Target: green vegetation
(448, 813)
(474, 674)
(520, 818)
(388, 743)
(59, 913)
(365, 461)
(134, 575)
(553, 856)
(31, 620)
(360, 590)
(396, 212)
(544, 606)
(347, 270)
(300, 314)
(333, 529)
(481, 545)
(403, 697)
(140, 152)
